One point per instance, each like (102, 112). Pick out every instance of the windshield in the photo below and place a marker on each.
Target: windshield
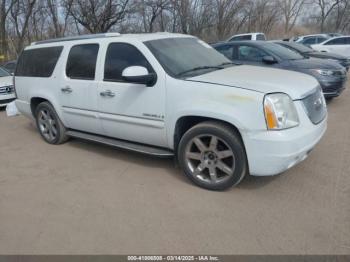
(3, 72)
(186, 56)
(299, 47)
(282, 52)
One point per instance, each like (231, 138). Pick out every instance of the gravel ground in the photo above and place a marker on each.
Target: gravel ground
(87, 198)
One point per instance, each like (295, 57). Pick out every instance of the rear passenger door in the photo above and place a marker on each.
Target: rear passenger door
(131, 111)
(78, 90)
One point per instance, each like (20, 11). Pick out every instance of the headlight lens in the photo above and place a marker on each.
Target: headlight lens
(323, 72)
(280, 112)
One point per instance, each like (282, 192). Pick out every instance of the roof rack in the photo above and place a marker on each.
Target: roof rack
(79, 37)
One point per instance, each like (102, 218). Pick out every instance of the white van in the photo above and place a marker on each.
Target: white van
(172, 95)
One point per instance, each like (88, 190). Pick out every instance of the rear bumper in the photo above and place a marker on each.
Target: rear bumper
(273, 152)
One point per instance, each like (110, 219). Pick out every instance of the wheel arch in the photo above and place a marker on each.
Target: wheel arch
(185, 122)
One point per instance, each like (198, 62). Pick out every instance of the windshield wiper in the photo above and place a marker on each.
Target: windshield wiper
(230, 63)
(199, 68)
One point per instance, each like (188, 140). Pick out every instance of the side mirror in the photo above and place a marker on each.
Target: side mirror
(139, 75)
(269, 59)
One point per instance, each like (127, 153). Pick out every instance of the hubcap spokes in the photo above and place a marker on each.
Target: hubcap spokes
(210, 159)
(47, 125)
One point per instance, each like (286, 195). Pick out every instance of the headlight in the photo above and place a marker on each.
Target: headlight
(323, 72)
(280, 112)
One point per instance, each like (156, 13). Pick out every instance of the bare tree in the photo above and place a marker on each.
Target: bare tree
(290, 10)
(97, 16)
(325, 9)
(5, 8)
(150, 11)
(21, 13)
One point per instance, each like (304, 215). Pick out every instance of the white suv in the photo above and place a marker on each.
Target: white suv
(171, 94)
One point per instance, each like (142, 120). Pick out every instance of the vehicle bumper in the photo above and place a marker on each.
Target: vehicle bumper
(273, 152)
(333, 88)
(6, 99)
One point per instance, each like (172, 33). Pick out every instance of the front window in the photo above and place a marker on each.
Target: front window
(182, 57)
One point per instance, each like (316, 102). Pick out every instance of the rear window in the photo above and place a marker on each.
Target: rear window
(39, 62)
(81, 62)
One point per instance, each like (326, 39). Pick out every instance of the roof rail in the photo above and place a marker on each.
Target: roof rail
(79, 37)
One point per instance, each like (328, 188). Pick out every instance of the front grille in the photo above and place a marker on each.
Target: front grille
(315, 106)
(5, 90)
(334, 88)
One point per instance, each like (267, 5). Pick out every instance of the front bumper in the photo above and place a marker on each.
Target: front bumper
(6, 99)
(273, 152)
(333, 88)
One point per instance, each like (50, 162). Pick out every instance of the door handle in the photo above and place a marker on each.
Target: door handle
(107, 93)
(67, 89)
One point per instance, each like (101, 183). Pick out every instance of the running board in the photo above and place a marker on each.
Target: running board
(140, 148)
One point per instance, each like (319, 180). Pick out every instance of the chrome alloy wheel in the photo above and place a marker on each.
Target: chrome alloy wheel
(47, 125)
(210, 159)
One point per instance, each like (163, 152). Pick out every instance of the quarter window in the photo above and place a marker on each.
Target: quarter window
(81, 62)
(120, 56)
(38, 62)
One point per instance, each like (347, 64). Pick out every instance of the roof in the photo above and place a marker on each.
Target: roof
(140, 37)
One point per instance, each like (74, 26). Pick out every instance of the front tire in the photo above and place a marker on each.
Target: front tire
(49, 125)
(212, 156)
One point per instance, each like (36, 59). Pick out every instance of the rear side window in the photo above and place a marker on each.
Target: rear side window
(310, 41)
(39, 62)
(120, 56)
(81, 62)
(226, 51)
(337, 41)
(241, 37)
(260, 37)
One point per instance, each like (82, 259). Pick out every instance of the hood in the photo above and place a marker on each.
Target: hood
(261, 79)
(326, 55)
(315, 63)
(6, 81)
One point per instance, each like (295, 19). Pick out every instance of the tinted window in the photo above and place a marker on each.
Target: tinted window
(250, 53)
(10, 66)
(241, 37)
(347, 40)
(337, 41)
(120, 56)
(81, 62)
(39, 62)
(225, 50)
(260, 37)
(297, 47)
(321, 39)
(309, 41)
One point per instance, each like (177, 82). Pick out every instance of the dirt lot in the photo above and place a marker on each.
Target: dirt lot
(88, 198)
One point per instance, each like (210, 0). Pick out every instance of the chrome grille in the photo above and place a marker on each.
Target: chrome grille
(315, 106)
(5, 90)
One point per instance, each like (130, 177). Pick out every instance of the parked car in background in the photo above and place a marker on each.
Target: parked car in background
(309, 40)
(331, 75)
(338, 45)
(249, 36)
(334, 34)
(170, 94)
(10, 66)
(309, 52)
(7, 93)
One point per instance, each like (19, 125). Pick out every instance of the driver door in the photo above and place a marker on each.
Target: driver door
(130, 111)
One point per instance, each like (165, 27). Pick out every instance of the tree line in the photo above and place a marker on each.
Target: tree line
(25, 21)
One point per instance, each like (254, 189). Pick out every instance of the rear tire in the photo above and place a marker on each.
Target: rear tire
(49, 125)
(212, 156)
